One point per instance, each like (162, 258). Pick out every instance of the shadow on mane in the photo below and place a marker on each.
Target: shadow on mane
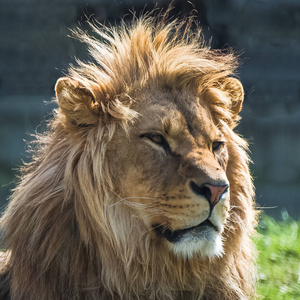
(80, 222)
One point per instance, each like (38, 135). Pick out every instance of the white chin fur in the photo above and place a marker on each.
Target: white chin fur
(207, 248)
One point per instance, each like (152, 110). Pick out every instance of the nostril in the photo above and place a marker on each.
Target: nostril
(201, 190)
(212, 193)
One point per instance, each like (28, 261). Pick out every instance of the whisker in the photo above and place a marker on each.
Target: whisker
(131, 203)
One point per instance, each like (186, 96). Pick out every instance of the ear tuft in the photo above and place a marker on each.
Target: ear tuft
(76, 102)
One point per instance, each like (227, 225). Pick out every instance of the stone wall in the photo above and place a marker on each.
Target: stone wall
(35, 50)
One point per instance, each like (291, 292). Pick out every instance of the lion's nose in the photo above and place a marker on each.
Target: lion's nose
(211, 192)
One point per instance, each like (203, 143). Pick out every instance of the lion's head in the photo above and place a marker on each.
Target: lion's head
(141, 188)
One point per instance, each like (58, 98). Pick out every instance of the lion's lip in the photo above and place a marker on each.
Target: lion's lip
(176, 235)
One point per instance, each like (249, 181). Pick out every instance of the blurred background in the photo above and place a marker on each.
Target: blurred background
(35, 50)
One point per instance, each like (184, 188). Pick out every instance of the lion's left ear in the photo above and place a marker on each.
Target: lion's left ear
(234, 89)
(227, 95)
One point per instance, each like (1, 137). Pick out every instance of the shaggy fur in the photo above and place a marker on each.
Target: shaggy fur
(71, 228)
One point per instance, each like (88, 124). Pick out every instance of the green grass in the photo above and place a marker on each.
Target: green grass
(278, 261)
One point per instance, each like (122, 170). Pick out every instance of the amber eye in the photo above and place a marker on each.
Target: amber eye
(157, 139)
(216, 145)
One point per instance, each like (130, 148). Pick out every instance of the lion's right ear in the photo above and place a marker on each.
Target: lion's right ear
(77, 102)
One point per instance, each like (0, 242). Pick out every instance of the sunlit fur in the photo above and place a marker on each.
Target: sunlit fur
(71, 230)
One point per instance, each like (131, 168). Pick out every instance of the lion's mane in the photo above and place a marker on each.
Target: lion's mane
(66, 238)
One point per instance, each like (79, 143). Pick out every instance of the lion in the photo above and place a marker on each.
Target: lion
(140, 189)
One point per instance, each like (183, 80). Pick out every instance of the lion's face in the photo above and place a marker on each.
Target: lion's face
(173, 172)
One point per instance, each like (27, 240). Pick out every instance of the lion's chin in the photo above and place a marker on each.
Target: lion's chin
(204, 240)
(208, 246)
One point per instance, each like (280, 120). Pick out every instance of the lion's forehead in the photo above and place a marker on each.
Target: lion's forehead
(180, 116)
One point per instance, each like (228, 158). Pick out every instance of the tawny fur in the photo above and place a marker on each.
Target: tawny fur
(65, 235)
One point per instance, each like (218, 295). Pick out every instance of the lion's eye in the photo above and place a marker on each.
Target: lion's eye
(216, 145)
(157, 139)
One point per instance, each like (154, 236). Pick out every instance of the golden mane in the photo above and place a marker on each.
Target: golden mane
(63, 243)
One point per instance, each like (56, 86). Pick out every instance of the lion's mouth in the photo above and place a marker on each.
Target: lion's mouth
(177, 235)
